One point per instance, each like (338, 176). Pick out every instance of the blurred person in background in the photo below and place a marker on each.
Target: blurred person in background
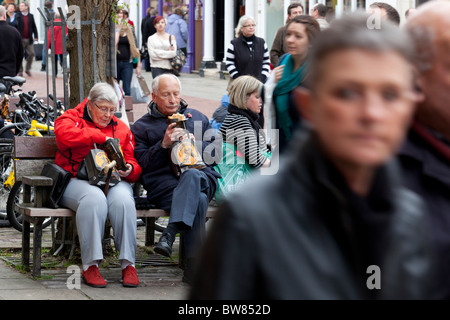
(386, 11)
(425, 157)
(278, 46)
(29, 35)
(335, 222)
(11, 48)
(281, 112)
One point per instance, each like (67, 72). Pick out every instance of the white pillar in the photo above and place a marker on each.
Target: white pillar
(354, 5)
(249, 8)
(261, 17)
(208, 35)
(228, 25)
(311, 5)
(286, 5)
(339, 8)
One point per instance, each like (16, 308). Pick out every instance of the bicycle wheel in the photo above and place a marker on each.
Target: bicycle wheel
(14, 217)
(6, 164)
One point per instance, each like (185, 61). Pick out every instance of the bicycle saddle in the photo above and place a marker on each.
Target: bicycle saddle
(16, 80)
(2, 88)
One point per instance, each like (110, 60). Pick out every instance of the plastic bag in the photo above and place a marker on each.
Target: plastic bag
(233, 169)
(136, 92)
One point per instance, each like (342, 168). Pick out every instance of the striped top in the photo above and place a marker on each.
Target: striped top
(248, 56)
(237, 129)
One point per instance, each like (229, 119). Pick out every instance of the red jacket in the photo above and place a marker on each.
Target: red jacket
(57, 33)
(76, 134)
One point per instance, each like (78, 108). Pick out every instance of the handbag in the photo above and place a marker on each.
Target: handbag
(179, 60)
(61, 179)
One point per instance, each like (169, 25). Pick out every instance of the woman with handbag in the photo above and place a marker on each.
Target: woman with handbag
(161, 47)
(77, 131)
(128, 55)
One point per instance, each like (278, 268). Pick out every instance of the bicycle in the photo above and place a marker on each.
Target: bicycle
(31, 113)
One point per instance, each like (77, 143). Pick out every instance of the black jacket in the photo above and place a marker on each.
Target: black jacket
(32, 30)
(302, 234)
(157, 174)
(243, 60)
(427, 172)
(11, 49)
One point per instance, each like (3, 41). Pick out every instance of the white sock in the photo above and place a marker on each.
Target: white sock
(125, 263)
(92, 263)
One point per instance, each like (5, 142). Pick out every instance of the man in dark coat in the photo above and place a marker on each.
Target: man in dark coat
(148, 29)
(10, 47)
(425, 157)
(29, 35)
(186, 196)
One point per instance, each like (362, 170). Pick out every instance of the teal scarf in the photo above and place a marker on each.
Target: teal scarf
(288, 82)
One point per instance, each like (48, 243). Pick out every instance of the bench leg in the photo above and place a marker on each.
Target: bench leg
(26, 243)
(149, 231)
(182, 253)
(37, 244)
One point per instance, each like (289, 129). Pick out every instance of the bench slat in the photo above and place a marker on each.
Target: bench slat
(27, 147)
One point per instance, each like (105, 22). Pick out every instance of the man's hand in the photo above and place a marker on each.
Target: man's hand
(175, 134)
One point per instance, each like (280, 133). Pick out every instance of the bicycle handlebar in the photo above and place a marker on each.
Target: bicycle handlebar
(17, 125)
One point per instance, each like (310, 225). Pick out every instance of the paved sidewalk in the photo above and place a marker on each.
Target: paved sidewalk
(158, 282)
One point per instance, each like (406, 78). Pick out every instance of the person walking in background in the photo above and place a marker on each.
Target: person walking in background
(48, 5)
(247, 54)
(148, 29)
(11, 48)
(425, 156)
(282, 113)
(127, 51)
(335, 222)
(29, 35)
(58, 49)
(279, 46)
(319, 12)
(177, 26)
(13, 17)
(161, 48)
(386, 11)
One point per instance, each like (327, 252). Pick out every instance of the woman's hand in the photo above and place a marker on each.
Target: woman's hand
(278, 73)
(124, 174)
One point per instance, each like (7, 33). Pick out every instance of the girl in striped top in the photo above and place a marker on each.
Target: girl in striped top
(240, 126)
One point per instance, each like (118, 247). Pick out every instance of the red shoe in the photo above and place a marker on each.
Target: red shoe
(129, 277)
(93, 278)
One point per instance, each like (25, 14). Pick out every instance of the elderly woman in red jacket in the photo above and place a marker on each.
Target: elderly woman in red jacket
(91, 123)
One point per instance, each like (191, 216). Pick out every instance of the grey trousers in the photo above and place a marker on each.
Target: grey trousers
(93, 208)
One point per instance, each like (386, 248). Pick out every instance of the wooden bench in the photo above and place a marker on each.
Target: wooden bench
(31, 154)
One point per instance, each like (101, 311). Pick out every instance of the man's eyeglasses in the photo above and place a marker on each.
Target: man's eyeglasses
(105, 110)
(250, 26)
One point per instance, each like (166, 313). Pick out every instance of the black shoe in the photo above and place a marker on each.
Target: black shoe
(164, 245)
(43, 68)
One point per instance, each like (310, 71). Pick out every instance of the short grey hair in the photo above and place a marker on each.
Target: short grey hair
(352, 32)
(241, 23)
(103, 92)
(155, 82)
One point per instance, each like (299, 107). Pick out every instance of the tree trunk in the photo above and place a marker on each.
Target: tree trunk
(106, 8)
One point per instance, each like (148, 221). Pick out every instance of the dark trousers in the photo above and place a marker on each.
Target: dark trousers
(188, 204)
(159, 71)
(125, 73)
